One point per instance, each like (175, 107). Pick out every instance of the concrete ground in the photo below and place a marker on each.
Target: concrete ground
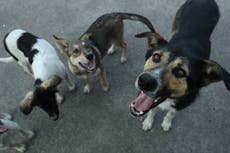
(100, 122)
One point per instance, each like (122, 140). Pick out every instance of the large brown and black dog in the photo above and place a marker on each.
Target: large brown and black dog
(103, 36)
(175, 71)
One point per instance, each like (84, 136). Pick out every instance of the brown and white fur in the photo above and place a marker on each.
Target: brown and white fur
(85, 55)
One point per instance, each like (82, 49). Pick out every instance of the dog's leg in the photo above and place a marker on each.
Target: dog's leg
(124, 51)
(111, 50)
(59, 98)
(69, 82)
(167, 122)
(148, 122)
(88, 85)
(103, 79)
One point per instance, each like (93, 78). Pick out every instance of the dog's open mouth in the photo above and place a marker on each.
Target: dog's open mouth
(143, 103)
(90, 66)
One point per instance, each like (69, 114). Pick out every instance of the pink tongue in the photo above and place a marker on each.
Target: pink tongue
(89, 65)
(143, 102)
(3, 129)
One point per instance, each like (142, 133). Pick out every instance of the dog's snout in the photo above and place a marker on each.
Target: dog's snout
(89, 57)
(147, 82)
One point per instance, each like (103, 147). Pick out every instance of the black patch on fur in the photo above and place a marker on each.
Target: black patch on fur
(25, 44)
(37, 82)
(7, 49)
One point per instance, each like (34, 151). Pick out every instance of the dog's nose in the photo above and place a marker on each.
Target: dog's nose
(89, 57)
(146, 82)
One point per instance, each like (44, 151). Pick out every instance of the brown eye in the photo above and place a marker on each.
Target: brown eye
(156, 58)
(75, 51)
(179, 72)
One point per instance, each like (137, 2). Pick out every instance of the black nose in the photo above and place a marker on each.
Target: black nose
(146, 82)
(89, 57)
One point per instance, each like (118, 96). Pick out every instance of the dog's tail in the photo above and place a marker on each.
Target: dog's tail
(7, 60)
(136, 17)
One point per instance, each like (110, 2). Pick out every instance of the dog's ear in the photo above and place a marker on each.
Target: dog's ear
(213, 72)
(154, 39)
(51, 83)
(86, 36)
(62, 44)
(26, 104)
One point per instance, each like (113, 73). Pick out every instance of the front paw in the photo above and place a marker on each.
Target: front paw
(87, 89)
(147, 125)
(123, 59)
(166, 125)
(72, 87)
(105, 88)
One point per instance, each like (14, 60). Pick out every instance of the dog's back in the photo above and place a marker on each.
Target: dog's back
(195, 21)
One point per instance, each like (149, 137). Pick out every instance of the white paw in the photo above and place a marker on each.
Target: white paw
(166, 125)
(123, 59)
(86, 89)
(59, 98)
(110, 51)
(72, 87)
(30, 134)
(21, 148)
(105, 88)
(147, 125)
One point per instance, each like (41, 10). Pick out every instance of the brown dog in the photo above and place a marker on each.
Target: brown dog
(103, 36)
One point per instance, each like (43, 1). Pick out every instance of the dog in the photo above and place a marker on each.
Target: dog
(103, 36)
(12, 135)
(38, 58)
(175, 70)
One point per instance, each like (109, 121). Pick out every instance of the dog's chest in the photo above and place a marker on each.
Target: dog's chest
(167, 104)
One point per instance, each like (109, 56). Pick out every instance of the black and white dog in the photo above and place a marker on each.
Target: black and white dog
(39, 58)
(12, 135)
(176, 70)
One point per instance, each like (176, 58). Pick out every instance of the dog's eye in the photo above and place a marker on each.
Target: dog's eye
(75, 51)
(156, 58)
(179, 72)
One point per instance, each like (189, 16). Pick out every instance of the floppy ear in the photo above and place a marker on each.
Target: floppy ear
(26, 103)
(51, 83)
(86, 36)
(213, 72)
(154, 39)
(62, 44)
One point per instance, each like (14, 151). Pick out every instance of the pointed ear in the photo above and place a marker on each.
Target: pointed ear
(154, 39)
(86, 36)
(213, 72)
(62, 45)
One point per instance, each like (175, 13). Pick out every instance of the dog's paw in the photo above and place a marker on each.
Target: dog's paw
(105, 88)
(86, 89)
(123, 59)
(21, 148)
(147, 125)
(30, 134)
(72, 87)
(111, 51)
(59, 98)
(166, 125)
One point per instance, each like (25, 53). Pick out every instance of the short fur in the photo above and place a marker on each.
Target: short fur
(175, 80)
(15, 137)
(38, 58)
(103, 36)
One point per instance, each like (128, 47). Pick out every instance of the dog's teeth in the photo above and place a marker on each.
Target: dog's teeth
(141, 113)
(132, 105)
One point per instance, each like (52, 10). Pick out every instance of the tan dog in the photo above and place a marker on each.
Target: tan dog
(103, 36)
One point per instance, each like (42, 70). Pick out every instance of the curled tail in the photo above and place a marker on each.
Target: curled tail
(7, 59)
(131, 16)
